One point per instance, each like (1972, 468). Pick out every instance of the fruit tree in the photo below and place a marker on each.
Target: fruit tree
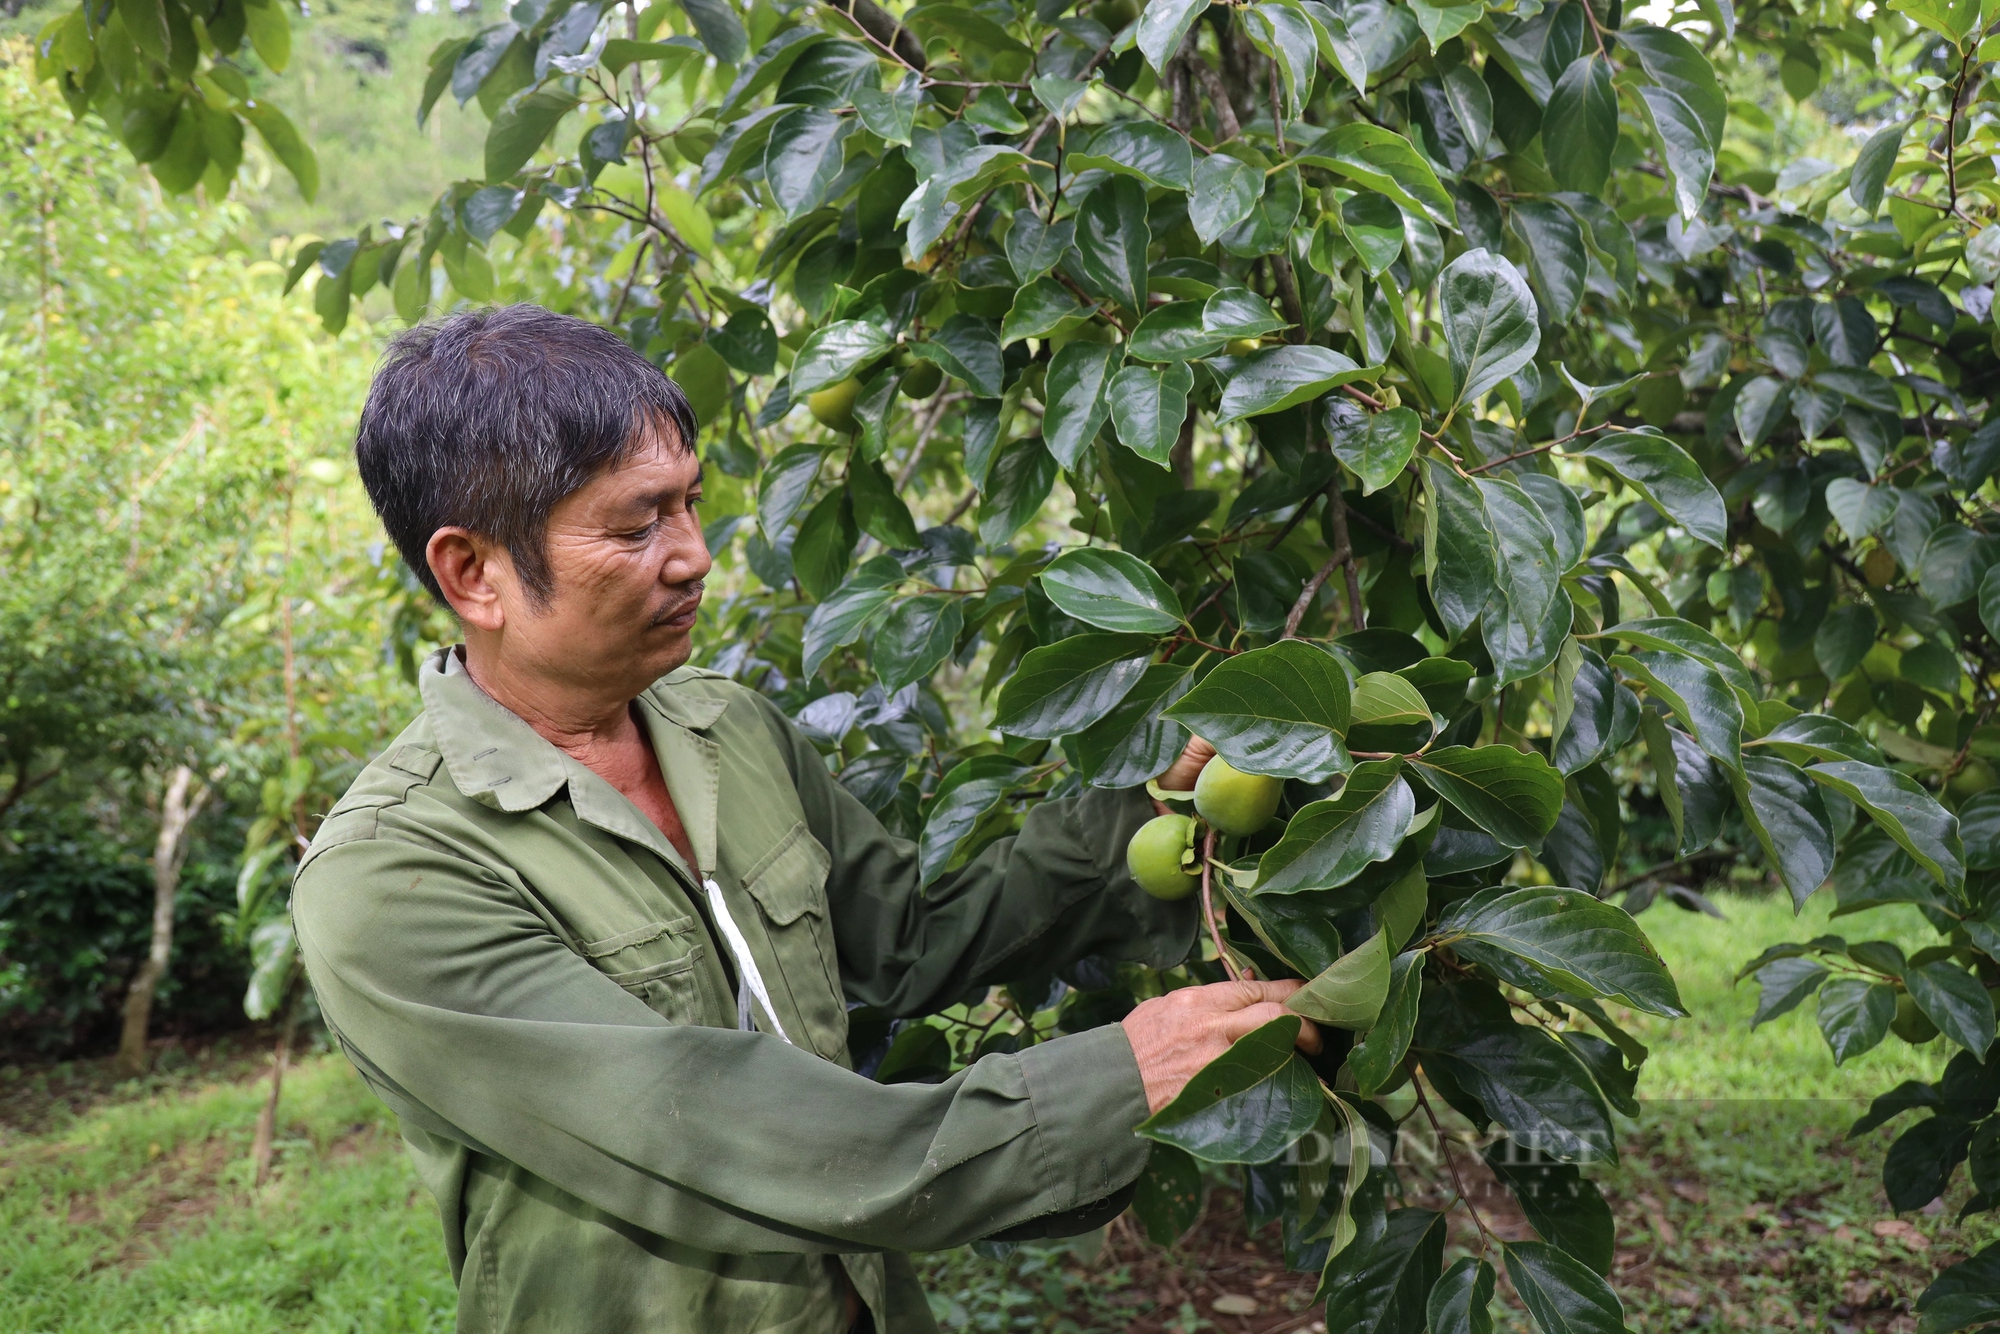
(1486, 426)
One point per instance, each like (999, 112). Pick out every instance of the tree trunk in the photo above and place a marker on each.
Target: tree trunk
(177, 814)
(267, 1120)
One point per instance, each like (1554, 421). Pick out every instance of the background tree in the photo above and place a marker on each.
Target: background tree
(1431, 406)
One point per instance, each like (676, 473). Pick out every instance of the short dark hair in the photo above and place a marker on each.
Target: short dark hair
(486, 419)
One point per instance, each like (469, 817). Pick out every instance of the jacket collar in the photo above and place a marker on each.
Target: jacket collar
(496, 759)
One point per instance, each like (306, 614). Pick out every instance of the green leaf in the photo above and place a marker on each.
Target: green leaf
(1173, 332)
(1580, 125)
(1784, 810)
(1458, 549)
(1163, 25)
(1462, 1301)
(520, 130)
(1513, 795)
(1017, 486)
(804, 157)
(1349, 993)
(1148, 406)
(1034, 247)
(1671, 634)
(1041, 308)
(1872, 166)
(1287, 36)
(1667, 479)
(915, 638)
(1816, 736)
(1065, 687)
(966, 347)
(1276, 378)
(1860, 509)
(1521, 1076)
(1167, 1196)
(1248, 1105)
(1134, 742)
(1562, 1293)
(1380, 159)
(964, 796)
(1225, 190)
(825, 544)
(1077, 405)
(285, 144)
(1329, 842)
(1782, 984)
(719, 29)
(878, 510)
(1380, 1286)
(1373, 225)
(270, 33)
(1677, 65)
(836, 351)
(1955, 1001)
(1377, 447)
(1441, 23)
(1490, 326)
(787, 482)
(892, 115)
(1684, 145)
(1906, 813)
(1529, 614)
(1697, 693)
(1569, 942)
(1391, 710)
(1143, 149)
(1238, 312)
(1556, 255)
(1112, 590)
(843, 617)
(1112, 238)
(1854, 1015)
(1565, 1208)
(1279, 711)
(1376, 1057)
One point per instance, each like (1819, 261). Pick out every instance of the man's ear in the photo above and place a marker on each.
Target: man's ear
(475, 574)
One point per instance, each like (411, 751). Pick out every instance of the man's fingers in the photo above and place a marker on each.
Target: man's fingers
(1237, 995)
(1238, 1023)
(1309, 1039)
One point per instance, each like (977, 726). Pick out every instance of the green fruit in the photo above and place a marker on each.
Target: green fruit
(1159, 856)
(834, 405)
(1242, 347)
(922, 380)
(1233, 801)
(1976, 777)
(1911, 1024)
(1115, 14)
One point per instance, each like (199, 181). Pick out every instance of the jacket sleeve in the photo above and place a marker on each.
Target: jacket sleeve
(472, 1019)
(1029, 903)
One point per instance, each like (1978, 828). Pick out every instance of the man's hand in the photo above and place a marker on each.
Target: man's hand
(1175, 1035)
(1180, 778)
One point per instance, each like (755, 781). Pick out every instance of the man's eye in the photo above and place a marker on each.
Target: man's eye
(640, 534)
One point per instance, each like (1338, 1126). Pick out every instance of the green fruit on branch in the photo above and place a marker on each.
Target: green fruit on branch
(1161, 857)
(1976, 777)
(1233, 801)
(1911, 1024)
(922, 380)
(1115, 14)
(834, 405)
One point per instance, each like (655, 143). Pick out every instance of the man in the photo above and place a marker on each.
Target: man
(592, 924)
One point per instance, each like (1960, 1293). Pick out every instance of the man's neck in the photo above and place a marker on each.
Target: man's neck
(597, 733)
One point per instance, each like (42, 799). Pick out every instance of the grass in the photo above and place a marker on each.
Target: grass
(1740, 1206)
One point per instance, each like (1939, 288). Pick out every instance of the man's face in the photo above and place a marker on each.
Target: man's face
(627, 558)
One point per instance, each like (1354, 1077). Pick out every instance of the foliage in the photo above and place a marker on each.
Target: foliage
(1571, 458)
(165, 493)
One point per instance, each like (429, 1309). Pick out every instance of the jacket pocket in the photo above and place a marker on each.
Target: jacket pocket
(656, 962)
(788, 884)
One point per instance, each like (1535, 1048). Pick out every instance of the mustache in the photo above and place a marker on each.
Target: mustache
(681, 606)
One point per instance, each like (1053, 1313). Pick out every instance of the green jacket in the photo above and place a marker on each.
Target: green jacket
(525, 970)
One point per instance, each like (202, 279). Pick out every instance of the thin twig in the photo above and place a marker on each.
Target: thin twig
(1451, 1163)
(1208, 908)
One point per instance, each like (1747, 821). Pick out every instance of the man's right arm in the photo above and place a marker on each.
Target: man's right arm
(473, 1018)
